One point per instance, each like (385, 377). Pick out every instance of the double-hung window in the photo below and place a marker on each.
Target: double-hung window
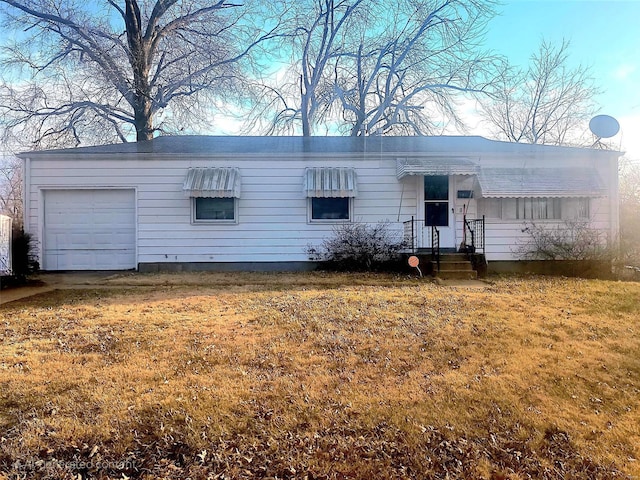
(330, 192)
(214, 194)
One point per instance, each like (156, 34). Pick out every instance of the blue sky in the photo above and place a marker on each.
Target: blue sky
(604, 34)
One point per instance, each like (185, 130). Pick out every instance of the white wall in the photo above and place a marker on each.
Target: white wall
(272, 215)
(272, 211)
(503, 236)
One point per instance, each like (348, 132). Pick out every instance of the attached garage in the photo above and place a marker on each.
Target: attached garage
(91, 229)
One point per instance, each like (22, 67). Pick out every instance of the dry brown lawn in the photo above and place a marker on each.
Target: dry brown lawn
(322, 376)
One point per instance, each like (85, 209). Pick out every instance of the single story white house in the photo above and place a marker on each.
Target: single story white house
(212, 202)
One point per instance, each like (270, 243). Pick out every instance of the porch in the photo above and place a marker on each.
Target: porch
(468, 261)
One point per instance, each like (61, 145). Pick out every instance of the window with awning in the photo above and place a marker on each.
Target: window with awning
(330, 182)
(536, 208)
(330, 191)
(214, 193)
(222, 182)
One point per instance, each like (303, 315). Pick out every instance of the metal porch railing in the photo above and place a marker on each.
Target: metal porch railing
(473, 235)
(410, 229)
(435, 245)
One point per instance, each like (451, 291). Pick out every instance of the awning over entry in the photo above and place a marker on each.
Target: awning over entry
(435, 166)
(540, 182)
(330, 182)
(221, 182)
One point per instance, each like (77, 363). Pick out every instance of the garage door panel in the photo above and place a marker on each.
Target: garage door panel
(78, 241)
(105, 241)
(89, 230)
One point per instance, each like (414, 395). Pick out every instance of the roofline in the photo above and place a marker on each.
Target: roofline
(147, 147)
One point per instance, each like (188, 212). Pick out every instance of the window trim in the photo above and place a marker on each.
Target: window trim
(213, 221)
(310, 218)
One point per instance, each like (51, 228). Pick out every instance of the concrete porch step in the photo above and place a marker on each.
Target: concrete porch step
(455, 265)
(457, 274)
(453, 257)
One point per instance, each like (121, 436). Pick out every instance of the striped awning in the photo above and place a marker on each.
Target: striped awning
(330, 182)
(435, 166)
(223, 182)
(541, 182)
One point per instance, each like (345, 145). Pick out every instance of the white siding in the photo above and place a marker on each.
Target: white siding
(503, 237)
(272, 209)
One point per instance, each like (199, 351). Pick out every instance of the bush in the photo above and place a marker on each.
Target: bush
(359, 247)
(23, 255)
(576, 247)
(570, 240)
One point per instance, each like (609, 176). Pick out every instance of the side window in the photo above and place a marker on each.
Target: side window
(538, 208)
(212, 210)
(584, 208)
(492, 207)
(336, 208)
(510, 208)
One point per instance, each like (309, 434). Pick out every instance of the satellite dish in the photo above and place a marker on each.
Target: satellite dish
(604, 126)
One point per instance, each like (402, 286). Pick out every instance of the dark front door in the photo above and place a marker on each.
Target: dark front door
(437, 209)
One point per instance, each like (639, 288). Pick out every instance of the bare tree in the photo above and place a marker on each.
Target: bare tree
(319, 32)
(109, 70)
(363, 67)
(11, 189)
(407, 82)
(549, 103)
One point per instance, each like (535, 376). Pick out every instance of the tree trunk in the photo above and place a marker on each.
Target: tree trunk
(140, 63)
(304, 115)
(144, 120)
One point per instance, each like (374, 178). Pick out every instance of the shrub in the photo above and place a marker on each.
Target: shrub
(582, 250)
(359, 247)
(23, 255)
(570, 240)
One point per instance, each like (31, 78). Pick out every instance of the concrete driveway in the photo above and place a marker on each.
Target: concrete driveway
(49, 281)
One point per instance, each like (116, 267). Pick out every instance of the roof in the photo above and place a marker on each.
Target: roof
(540, 182)
(208, 145)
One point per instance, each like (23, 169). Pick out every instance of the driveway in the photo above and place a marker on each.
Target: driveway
(49, 281)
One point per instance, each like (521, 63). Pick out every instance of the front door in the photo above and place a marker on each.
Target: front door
(437, 211)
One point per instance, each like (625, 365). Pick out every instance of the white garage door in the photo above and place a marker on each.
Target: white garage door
(89, 230)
